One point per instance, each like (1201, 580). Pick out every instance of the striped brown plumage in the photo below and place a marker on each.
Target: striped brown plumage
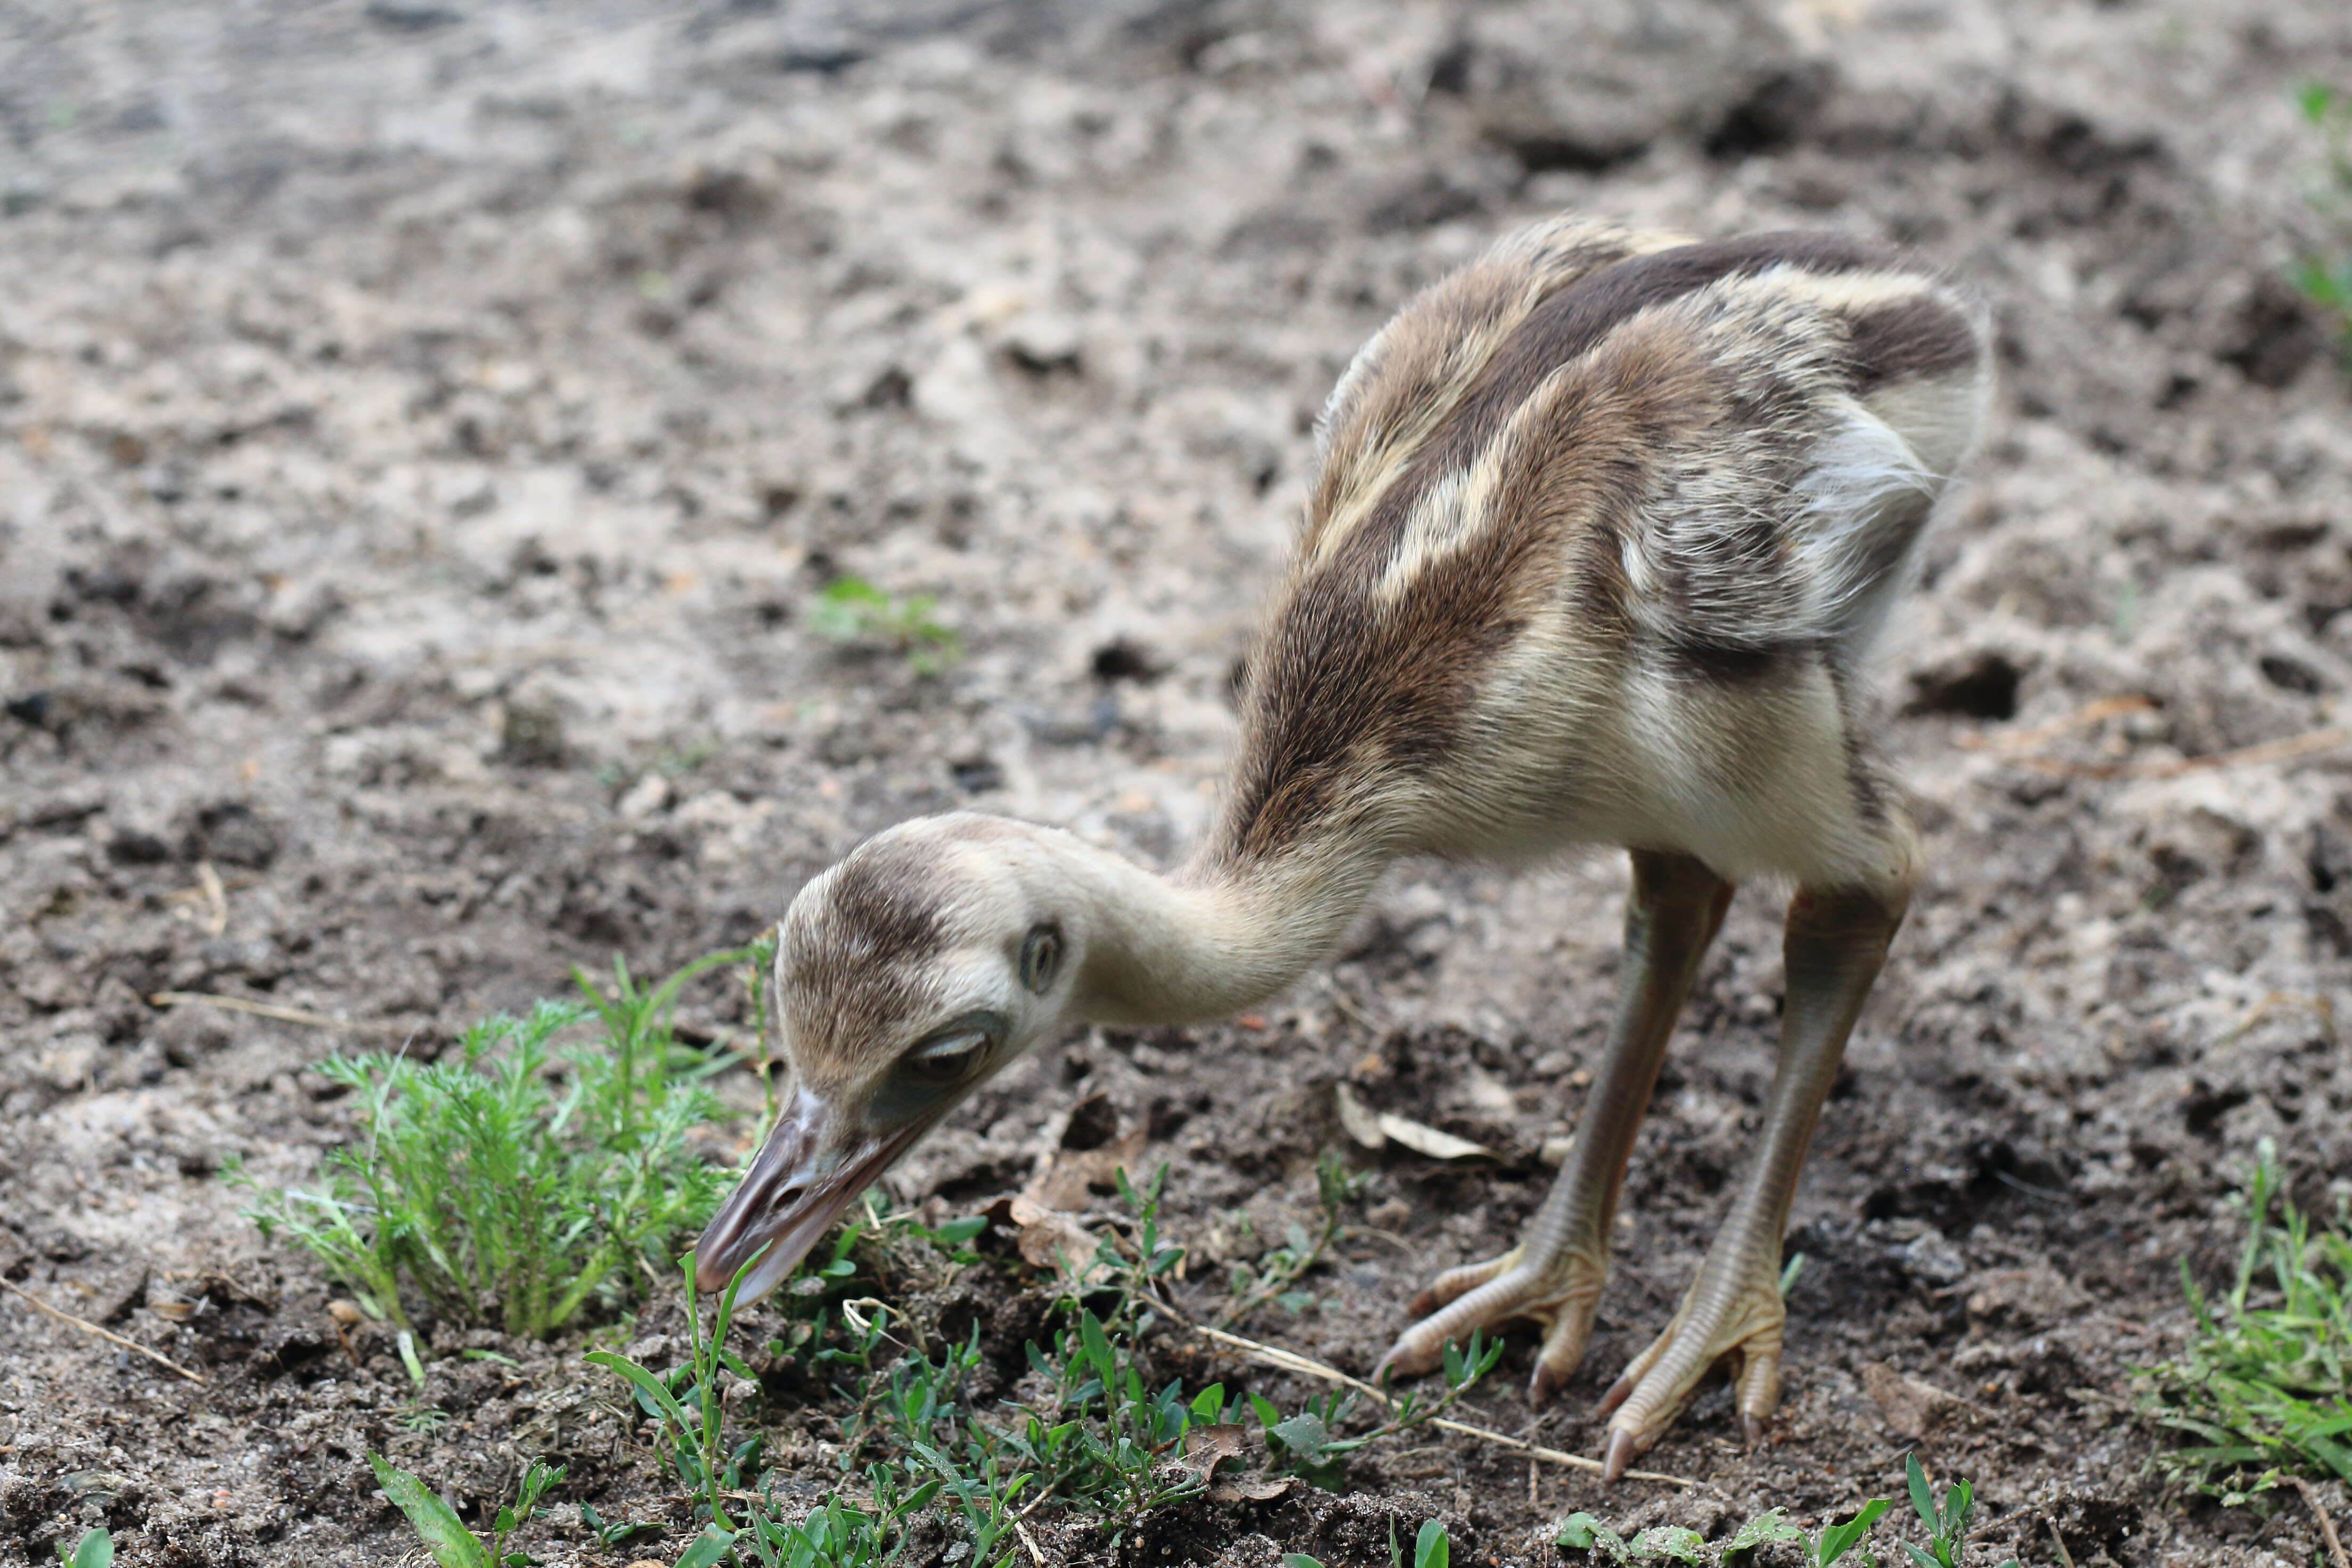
(1606, 525)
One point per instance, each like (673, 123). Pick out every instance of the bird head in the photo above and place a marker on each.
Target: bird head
(930, 957)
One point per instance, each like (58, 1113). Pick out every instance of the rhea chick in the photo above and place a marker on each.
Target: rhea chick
(1606, 525)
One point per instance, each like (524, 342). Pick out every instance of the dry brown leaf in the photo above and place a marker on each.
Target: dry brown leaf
(1048, 1238)
(1067, 1183)
(1423, 1139)
(1206, 1448)
(1376, 1129)
(1250, 1488)
(1362, 1125)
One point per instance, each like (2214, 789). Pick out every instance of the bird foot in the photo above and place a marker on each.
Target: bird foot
(1558, 1292)
(1735, 1326)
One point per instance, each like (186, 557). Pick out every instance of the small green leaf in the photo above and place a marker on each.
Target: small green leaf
(451, 1543)
(1922, 1500)
(1959, 1498)
(1670, 1541)
(1839, 1539)
(1770, 1525)
(96, 1549)
(1097, 1348)
(1575, 1530)
(1304, 1435)
(1430, 1548)
(707, 1548)
(1299, 1560)
(646, 1384)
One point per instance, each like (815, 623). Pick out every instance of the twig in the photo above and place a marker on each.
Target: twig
(2277, 1000)
(2065, 1557)
(2326, 1526)
(1035, 1555)
(271, 1010)
(1346, 1007)
(2302, 745)
(215, 898)
(2090, 713)
(2286, 750)
(1291, 1360)
(198, 896)
(89, 1327)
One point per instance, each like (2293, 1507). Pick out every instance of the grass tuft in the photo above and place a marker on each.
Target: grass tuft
(2260, 1391)
(2325, 275)
(1945, 1522)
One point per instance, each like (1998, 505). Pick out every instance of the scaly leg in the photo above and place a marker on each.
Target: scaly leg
(1554, 1275)
(1732, 1314)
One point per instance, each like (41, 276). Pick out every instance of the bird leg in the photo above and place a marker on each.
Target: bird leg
(1732, 1316)
(1554, 1276)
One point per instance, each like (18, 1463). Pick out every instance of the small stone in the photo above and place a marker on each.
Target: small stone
(649, 795)
(1932, 1256)
(67, 1065)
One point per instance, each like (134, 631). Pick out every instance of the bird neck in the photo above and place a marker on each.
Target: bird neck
(1218, 936)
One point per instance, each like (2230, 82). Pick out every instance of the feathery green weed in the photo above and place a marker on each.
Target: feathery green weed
(518, 1184)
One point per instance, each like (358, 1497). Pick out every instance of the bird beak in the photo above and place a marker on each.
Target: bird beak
(805, 1175)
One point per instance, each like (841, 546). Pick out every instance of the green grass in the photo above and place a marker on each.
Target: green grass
(520, 1184)
(525, 1181)
(1274, 1276)
(1944, 1522)
(2324, 276)
(852, 610)
(452, 1545)
(1432, 1547)
(2260, 1391)
(1094, 1434)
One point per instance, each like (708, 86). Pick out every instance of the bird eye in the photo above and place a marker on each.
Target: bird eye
(945, 1059)
(1040, 956)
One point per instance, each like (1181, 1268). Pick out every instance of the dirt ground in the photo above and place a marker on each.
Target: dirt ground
(422, 426)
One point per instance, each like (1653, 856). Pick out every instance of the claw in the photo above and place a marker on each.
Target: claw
(1622, 1451)
(1717, 1329)
(1558, 1293)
